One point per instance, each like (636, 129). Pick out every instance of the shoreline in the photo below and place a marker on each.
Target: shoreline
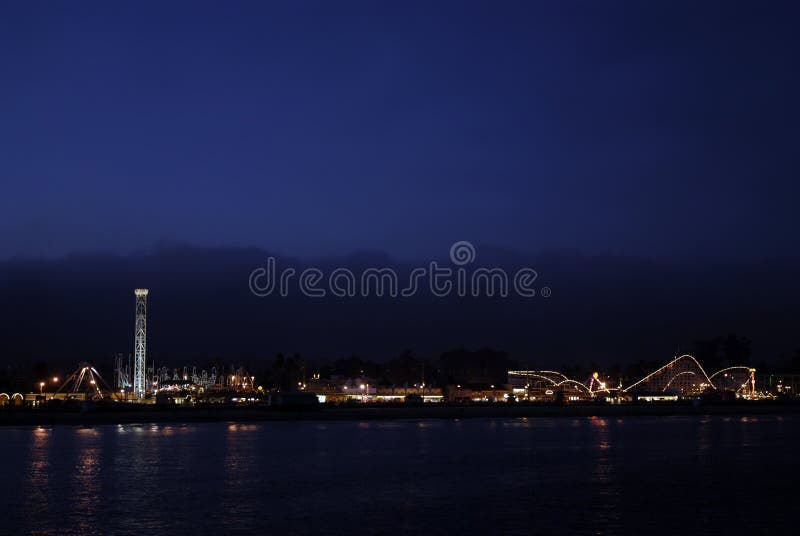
(259, 414)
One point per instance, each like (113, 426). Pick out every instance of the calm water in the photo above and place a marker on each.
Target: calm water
(590, 475)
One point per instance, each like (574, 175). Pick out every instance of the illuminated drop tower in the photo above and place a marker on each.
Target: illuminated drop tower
(140, 344)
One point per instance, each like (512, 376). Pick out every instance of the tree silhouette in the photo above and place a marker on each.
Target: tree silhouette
(736, 350)
(707, 352)
(795, 364)
(404, 369)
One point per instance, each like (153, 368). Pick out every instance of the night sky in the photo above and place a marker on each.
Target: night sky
(654, 129)
(641, 155)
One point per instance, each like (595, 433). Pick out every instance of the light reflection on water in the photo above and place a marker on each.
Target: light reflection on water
(86, 492)
(37, 487)
(587, 476)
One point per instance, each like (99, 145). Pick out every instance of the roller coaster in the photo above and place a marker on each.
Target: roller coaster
(683, 376)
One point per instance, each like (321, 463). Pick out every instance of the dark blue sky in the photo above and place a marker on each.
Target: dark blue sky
(646, 128)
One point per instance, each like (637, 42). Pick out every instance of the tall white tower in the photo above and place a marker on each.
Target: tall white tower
(140, 343)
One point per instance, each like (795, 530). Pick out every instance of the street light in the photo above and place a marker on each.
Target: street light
(41, 387)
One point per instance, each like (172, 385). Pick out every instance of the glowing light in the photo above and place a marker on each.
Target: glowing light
(669, 365)
(677, 367)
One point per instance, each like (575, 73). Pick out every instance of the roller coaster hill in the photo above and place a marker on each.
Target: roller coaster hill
(683, 378)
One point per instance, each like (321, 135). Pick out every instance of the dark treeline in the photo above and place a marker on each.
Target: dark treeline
(288, 371)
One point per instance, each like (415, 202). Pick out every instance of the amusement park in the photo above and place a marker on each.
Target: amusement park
(139, 380)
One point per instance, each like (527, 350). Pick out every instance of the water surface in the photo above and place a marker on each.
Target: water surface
(636, 475)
